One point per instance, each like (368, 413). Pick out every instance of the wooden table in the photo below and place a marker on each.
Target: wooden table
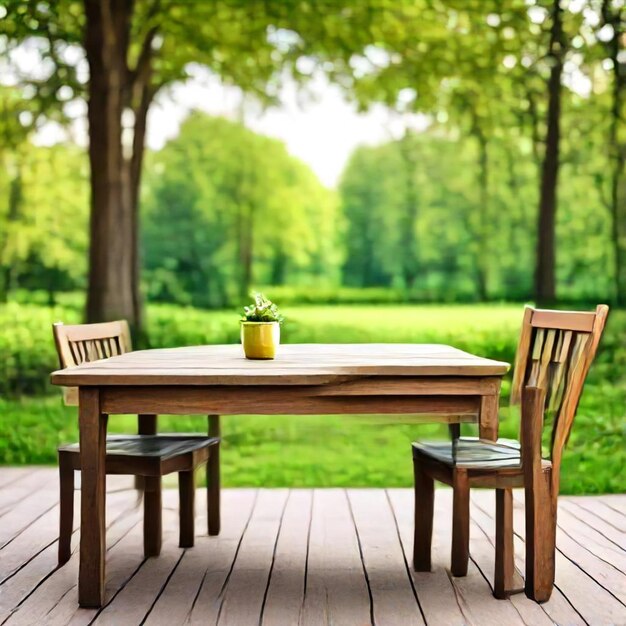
(440, 381)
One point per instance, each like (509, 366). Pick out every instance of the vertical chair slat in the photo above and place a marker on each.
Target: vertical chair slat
(545, 359)
(533, 375)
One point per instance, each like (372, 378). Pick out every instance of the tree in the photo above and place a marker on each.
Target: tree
(545, 275)
(614, 18)
(227, 208)
(45, 237)
(133, 50)
(13, 136)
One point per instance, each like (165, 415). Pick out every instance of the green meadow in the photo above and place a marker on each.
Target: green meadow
(315, 450)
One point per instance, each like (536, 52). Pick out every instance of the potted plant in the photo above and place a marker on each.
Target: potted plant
(260, 328)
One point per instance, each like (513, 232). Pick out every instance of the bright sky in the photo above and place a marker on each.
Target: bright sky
(319, 127)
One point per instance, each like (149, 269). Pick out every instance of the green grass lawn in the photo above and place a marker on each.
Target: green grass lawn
(359, 451)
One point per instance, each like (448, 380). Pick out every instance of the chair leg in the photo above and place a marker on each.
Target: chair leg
(540, 543)
(460, 522)
(146, 425)
(424, 509)
(454, 430)
(152, 516)
(213, 479)
(505, 564)
(186, 497)
(66, 517)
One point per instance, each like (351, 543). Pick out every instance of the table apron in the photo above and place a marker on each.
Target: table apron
(290, 400)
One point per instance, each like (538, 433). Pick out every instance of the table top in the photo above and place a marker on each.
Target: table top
(295, 364)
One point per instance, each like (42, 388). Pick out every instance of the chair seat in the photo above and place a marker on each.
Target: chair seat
(472, 453)
(162, 447)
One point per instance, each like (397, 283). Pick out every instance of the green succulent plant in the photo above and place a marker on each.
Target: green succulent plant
(261, 310)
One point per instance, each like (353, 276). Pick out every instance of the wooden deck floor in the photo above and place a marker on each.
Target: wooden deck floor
(296, 556)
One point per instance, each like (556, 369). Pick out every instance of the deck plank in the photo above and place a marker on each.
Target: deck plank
(594, 603)
(473, 591)
(134, 585)
(610, 559)
(285, 593)
(12, 476)
(594, 521)
(245, 590)
(309, 557)
(54, 599)
(557, 610)
(393, 596)
(193, 593)
(24, 501)
(435, 590)
(336, 591)
(612, 509)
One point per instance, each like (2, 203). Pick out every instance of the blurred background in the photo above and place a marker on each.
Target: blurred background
(395, 171)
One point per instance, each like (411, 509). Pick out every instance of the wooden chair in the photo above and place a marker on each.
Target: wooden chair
(147, 456)
(554, 354)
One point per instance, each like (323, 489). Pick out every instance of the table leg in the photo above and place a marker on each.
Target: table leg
(93, 427)
(213, 479)
(488, 417)
(146, 425)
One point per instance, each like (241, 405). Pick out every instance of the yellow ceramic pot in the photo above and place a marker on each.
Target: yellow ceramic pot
(260, 339)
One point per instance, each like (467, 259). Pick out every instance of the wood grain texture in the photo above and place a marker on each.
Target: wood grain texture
(424, 500)
(200, 582)
(558, 610)
(213, 480)
(252, 569)
(66, 510)
(92, 428)
(594, 603)
(460, 522)
(280, 400)
(580, 321)
(285, 592)
(505, 559)
(39, 593)
(488, 417)
(521, 355)
(186, 504)
(80, 343)
(295, 364)
(188, 586)
(337, 589)
(394, 599)
(540, 506)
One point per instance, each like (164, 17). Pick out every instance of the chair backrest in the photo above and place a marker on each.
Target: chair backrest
(555, 351)
(82, 343)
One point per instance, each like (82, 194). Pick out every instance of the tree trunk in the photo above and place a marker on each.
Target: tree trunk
(408, 238)
(279, 267)
(617, 152)
(245, 253)
(114, 261)
(110, 292)
(545, 283)
(16, 197)
(483, 257)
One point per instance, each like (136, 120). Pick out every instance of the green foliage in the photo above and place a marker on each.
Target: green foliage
(261, 310)
(44, 219)
(27, 352)
(297, 296)
(226, 208)
(453, 261)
